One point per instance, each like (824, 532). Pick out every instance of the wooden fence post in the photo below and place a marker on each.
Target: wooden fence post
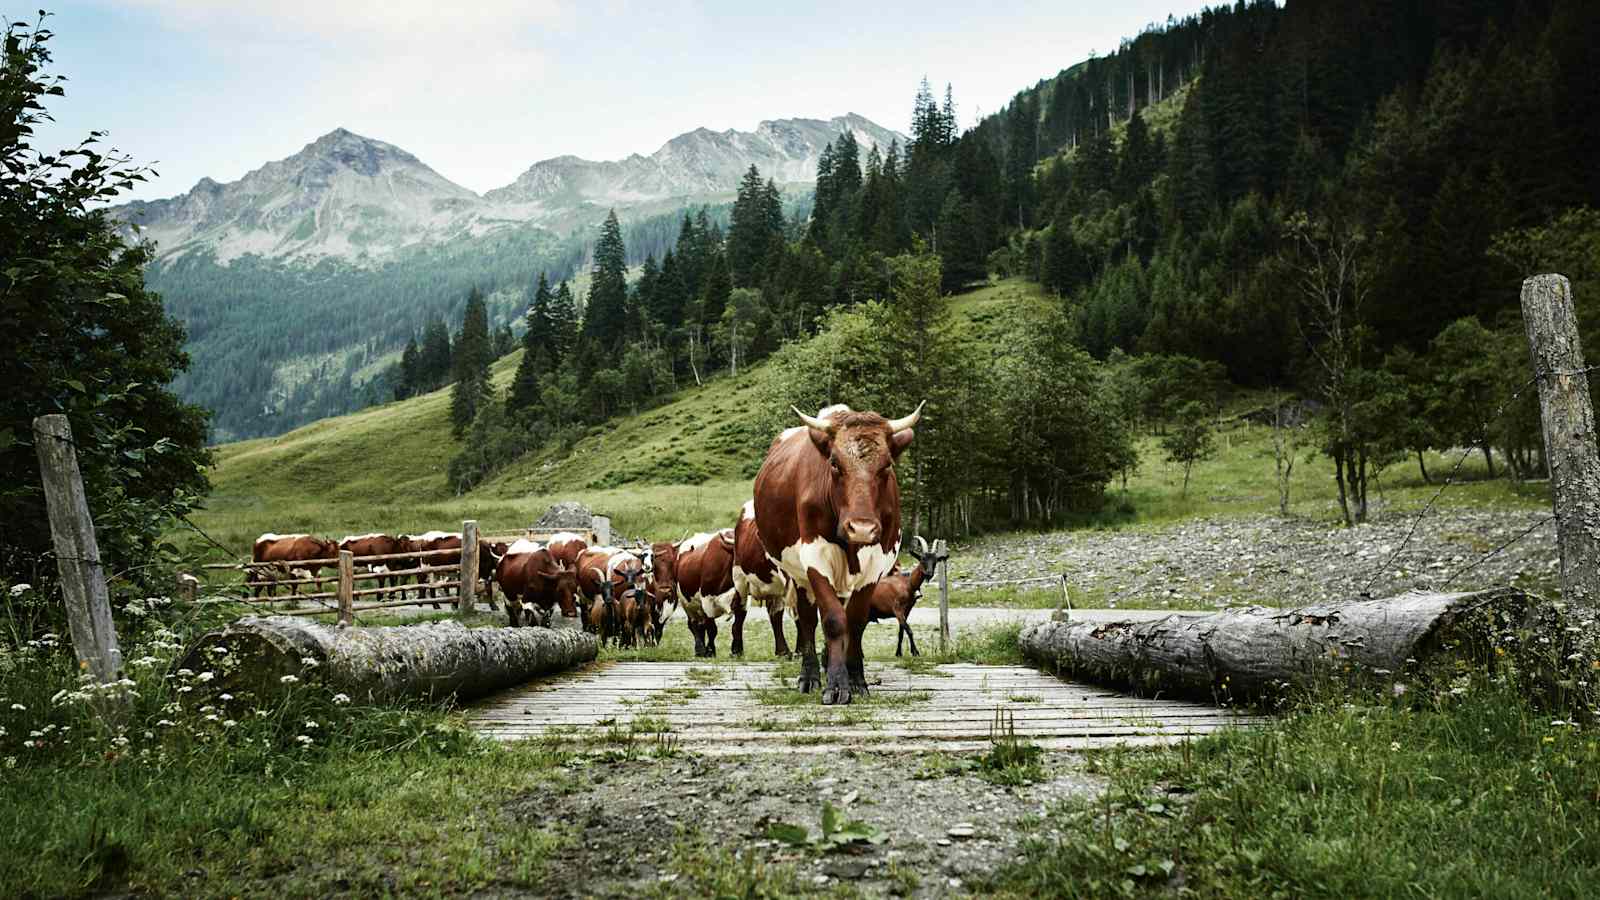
(83, 580)
(347, 587)
(944, 594)
(469, 566)
(1569, 444)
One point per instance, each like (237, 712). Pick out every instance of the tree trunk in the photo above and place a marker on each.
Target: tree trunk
(431, 661)
(1423, 465)
(1338, 474)
(1255, 652)
(1488, 459)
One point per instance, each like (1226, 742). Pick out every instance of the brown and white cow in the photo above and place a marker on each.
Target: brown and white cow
(704, 576)
(828, 511)
(621, 568)
(758, 581)
(565, 548)
(488, 557)
(290, 552)
(663, 586)
(379, 545)
(895, 596)
(528, 576)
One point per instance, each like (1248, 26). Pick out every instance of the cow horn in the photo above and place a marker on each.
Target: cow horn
(813, 421)
(597, 573)
(898, 425)
(922, 545)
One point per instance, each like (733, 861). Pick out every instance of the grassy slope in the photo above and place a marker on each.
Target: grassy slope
(669, 470)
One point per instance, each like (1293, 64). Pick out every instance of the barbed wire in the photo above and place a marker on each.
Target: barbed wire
(1487, 556)
(1366, 590)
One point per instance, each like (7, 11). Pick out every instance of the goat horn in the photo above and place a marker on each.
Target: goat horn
(898, 425)
(922, 545)
(813, 421)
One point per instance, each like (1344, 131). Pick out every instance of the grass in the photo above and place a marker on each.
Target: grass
(1470, 792)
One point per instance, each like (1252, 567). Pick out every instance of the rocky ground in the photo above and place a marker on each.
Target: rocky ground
(677, 826)
(1275, 561)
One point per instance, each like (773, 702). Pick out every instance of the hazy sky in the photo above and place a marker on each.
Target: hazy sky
(210, 87)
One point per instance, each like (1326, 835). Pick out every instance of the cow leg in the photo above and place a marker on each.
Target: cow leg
(711, 638)
(835, 630)
(737, 649)
(699, 638)
(780, 646)
(857, 615)
(910, 638)
(805, 640)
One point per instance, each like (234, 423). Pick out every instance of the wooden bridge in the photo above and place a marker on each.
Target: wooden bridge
(725, 708)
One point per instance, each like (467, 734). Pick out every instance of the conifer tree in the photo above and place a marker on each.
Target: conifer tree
(563, 326)
(410, 370)
(470, 365)
(433, 365)
(747, 230)
(605, 314)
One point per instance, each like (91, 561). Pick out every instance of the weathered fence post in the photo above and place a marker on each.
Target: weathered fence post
(83, 580)
(469, 566)
(347, 587)
(1569, 444)
(944, 594)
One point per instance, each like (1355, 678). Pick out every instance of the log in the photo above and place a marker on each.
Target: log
(1257, 653)
(432, 661)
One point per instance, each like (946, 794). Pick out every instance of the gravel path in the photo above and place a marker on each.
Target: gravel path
(1273, 561)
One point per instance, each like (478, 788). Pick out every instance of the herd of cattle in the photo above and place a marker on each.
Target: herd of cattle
(820, 538)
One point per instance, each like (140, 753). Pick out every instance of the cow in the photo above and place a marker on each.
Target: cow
(290, 551)
(529, 576)
(828, 511)
(378, 545)
(894, 596)
(663, 586)
(488, 557)
(758, 581)
(621, 568)
(704, 577)
(265, 579)
(633, 616)
(600, 617)
(565, 548)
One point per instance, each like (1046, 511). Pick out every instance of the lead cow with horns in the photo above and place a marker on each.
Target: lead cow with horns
(828, 511)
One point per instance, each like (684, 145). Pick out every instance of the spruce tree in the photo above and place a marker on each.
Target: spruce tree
(410, 370)
(563, 326)
(747, 238)
(433, 365)
(540, 319)
(605, 314)
(470, 365)
(714, 294)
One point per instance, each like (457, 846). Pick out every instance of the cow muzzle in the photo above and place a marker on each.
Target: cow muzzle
(861, 531)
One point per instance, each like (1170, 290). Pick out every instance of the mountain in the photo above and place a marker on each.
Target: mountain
(301, 281)
(701, 162)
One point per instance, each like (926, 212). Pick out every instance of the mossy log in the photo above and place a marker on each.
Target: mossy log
(426, 661)
(1256, 653)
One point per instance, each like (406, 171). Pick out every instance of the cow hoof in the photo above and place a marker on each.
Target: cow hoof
(836, 695)
(809, 681)
(858, 688)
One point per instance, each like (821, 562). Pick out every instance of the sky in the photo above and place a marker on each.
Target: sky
(216, 88)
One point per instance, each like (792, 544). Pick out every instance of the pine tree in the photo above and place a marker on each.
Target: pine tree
(563, 326)
(669, 298)
(410, 371)
(539, 319)
(433, 365)
(470, 364)
(824, 200)
(747, 233)
(605, 314)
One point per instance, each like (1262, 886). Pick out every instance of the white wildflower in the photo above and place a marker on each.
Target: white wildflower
(304, 739)
(165, 723)
(308, 662)
(58, 695)
(341, 699)
(225, 697)
(185, 673)
(29, 744)
(18, 707)
(206, 676)
(288, 679)
(17, 590)
(1394, 746)
(228, 723)
(145, 662)
(1399, 689)
(211, 717)
(119, 741)
(310, 724)
(185, 689)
